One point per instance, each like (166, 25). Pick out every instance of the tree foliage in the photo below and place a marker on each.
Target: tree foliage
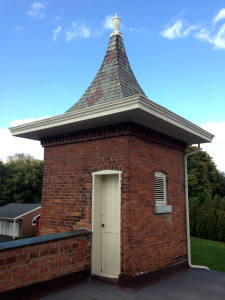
(20, 179)
(206, 197)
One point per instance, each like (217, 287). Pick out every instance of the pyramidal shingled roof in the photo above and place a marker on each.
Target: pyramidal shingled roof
(115, 79)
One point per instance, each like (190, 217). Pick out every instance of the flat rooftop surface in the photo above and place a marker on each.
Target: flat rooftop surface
(190, 285)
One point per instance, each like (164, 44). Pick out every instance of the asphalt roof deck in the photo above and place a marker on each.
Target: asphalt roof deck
(193, 284)
(189, 285)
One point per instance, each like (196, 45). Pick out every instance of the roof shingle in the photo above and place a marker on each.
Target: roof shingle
(13, 210)
(114, 80)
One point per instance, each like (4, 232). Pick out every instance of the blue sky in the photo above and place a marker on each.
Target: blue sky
(51, 50)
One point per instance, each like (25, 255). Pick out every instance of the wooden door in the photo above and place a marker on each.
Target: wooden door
(110, 227)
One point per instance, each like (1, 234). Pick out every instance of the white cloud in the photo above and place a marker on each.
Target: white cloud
(219, 16)
(58, 18)
(11, 145)
(189, 29)
(77, 31)
(177, 31)
(216, 149)
(203, 35)
(173, 31)
(17, 28)
(96, 33)
(217, 39)
(36, 10)
(24, 121)
(214, 35)
(56, 32)
(107, 23)
(137, 30)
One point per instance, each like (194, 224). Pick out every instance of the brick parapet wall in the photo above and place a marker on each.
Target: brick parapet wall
(29, 261)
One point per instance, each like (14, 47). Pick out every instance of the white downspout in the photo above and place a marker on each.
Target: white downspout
(187, 211)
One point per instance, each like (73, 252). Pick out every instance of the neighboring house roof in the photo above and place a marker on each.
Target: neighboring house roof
(15, 210)
(114, 97)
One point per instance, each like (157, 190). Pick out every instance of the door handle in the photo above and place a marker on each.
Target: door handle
(103, 225)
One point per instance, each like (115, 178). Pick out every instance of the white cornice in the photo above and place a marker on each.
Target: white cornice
(83, 114)
(130, 107)
(170, 117)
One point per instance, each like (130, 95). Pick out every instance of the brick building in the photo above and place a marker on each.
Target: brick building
(114, 164)
(19, 219)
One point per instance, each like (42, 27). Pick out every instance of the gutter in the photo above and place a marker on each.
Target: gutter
(187, 211)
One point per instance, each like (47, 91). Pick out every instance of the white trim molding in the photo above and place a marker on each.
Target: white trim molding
(96, 218)
(28, 212)
(136, 108)
(107, 172)
(34, 219)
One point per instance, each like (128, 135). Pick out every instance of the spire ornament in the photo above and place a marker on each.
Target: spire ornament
(115, 80)
(116, 25)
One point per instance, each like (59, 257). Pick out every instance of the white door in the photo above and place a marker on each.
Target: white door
(106, 226)
(110, 226)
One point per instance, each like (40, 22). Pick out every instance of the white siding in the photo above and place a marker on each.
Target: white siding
(6, 228)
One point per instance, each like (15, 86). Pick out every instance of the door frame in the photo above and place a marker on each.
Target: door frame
(96, 255)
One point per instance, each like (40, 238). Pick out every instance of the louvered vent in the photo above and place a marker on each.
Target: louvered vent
(160, 188)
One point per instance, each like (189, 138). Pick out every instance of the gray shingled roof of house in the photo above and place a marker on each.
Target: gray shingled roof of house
(13, 210)
(114, 80)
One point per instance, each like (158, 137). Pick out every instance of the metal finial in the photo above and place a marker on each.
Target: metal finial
(116, 25)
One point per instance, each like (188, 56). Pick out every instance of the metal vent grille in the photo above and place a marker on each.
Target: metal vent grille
(160, 188)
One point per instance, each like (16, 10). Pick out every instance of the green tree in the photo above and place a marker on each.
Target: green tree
(22, 179)
(220, 187)
(202, 220)
(195, 206)
(202, 175)
(206, 190)
(213, 209)
(2, 182)
(221, 221)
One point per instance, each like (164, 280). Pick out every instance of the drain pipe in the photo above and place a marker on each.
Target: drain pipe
(187, 210)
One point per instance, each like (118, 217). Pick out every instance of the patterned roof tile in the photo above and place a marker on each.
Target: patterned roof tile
(114, 80)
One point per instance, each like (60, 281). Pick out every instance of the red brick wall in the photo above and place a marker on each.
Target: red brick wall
(148, 241)
(40, 262)
(67, 181)
(154, 241)
(26, 227)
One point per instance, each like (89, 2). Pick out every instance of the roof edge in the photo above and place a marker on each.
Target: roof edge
(175, 119)
(109, 108)
(83, 113)
(28, 212)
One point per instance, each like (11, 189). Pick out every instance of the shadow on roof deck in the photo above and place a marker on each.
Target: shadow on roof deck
(191, 284)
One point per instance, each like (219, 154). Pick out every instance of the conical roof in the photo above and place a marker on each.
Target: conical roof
(114, 80)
